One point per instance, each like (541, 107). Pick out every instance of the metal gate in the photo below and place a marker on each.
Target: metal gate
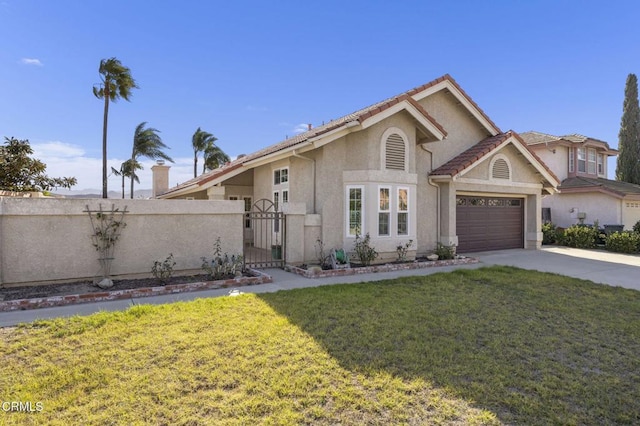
(265, 237)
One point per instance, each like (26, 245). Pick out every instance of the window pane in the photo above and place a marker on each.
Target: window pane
(600, 164)
(285, 196)
(355, 210)
(403, 219)
(247, 204)
(284, 175)
(383, 223)
(276, 177)
(384, 199)
(403, 200)
(276, 198)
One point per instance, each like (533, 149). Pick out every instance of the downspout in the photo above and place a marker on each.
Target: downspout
(430, 181)
(313, 171)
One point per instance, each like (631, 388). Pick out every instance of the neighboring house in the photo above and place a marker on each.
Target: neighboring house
(585, 194)
(427, 165)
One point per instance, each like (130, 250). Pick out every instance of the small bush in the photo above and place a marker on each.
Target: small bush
(580, 236)
(364, 252)
(402, 250)
(549, 233)
(222, 265)
(623, 242)
(445, 252)
(636, 227)
(162, 271)
(324, 259)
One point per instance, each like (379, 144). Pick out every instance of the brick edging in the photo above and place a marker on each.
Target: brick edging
(381, 268)
(103, 296)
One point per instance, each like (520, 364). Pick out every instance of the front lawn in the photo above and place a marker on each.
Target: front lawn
(488, 346)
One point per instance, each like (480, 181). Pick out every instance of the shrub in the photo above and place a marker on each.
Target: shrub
(636, 227)
(402, 251)
(364, 252)
(581, 236)
(445, 252)
(163, 271)
(324, 260)
(549, 233)
(222, 265)
(623, 242)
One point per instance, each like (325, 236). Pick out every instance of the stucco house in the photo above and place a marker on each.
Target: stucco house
(585, 194)
(427, 165)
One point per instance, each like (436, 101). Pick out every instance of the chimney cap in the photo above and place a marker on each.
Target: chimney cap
(160, 162)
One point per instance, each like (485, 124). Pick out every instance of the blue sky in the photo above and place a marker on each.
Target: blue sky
(254, 72)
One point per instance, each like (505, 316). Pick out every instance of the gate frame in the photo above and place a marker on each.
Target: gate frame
(268, 225)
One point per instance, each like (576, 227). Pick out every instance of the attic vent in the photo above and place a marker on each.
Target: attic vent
(394, 152)
(500, 169)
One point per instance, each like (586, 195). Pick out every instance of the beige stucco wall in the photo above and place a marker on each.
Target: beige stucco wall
(557, 161)
(50, 239)
(606, 209)
(630, 213)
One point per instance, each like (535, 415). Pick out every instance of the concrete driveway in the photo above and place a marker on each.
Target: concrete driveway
(596, 265)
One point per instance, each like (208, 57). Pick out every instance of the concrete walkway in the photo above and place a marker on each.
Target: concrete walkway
(598, 266)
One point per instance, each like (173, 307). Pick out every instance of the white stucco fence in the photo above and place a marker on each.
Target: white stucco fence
(45, 240)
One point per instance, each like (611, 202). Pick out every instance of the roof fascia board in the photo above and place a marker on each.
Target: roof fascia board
(591, 189)
(446, 84)
(335, 134)
(412, 110)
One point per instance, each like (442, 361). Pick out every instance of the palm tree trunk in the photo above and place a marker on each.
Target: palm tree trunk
(104, 142)
(195, 163)
(133, 173)
(123, 186)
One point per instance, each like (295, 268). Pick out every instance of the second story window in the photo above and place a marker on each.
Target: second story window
(280, 176)
(592, 161)
(601, 164)
(572, 160)
(582, 160)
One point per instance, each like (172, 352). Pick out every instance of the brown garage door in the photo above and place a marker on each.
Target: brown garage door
(489, 223)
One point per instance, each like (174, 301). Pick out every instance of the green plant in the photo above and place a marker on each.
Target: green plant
(549, 233)
(402, 250)
(107, 226)
(222, 265)
(445, 252)
(636, 227)
(324, 259)
(364, 252)
(623, 242)
(163, 271)
(581, 236)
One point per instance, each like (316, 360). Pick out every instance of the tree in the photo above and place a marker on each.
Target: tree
(214, 157)
(628, 167)
(200, 141)
(116, 83)
(19, 172)
(126, 171)
(147, 143)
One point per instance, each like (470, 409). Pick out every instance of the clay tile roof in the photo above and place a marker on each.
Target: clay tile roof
(481, 149)
(470, 156)
(537, 138)
(581, 182)
(359, 116)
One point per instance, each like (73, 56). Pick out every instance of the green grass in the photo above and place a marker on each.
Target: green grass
(489, 346)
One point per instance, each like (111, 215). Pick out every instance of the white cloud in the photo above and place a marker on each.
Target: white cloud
(32, 61)
(301, 128)
(57, 149)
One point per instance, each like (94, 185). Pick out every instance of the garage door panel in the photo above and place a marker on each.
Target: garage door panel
(489, 223)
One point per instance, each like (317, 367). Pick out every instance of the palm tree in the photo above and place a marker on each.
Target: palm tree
(214, 157)
(200, 141)
(116, 83)
(147, 143)
(125, 171)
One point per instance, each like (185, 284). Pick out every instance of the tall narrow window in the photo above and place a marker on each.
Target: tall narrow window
(247, 209)
(403, 211)
(572, 160)
(582, 160)
(285, 196)
(354, 214)
(383, 211)
(592, 161)
(276, 199)
(601, 164)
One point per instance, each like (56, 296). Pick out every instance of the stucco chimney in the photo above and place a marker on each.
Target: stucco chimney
(309, 126)
(160, 178)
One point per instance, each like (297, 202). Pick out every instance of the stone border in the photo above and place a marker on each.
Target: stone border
(103, 296)
(381, 268)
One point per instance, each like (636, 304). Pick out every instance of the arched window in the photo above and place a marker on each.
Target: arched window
(500, 168)
(394, 150)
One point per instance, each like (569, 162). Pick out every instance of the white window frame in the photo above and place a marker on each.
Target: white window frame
(279, 181)
(591, 163)
(386, 211)
(407, 210)
(582, 161)
(572, 159)
(600, 164)
(284, 196)
(347, 209)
